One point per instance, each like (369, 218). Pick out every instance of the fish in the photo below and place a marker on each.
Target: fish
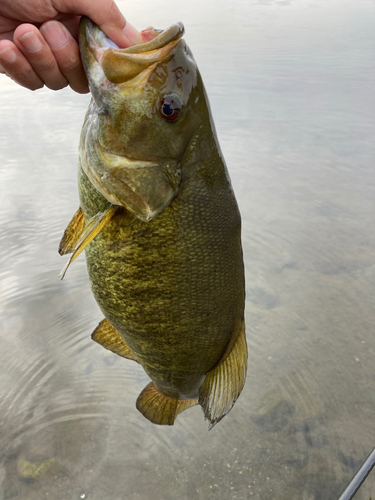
(160, 225)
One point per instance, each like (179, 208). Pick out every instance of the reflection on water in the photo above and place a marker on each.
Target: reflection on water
(291, 87)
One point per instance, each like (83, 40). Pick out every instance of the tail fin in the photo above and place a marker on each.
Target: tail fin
(224, 384)
(161, 409)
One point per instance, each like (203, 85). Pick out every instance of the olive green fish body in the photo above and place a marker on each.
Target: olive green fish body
(167, 270)
(173, 287)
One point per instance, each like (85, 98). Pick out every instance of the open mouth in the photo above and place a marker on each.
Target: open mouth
(121, 65)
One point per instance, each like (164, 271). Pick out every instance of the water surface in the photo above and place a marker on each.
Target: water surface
(291, 86)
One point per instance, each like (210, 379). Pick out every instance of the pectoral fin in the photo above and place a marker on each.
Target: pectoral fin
(72, 233)
(161, 409)
(223, 384)
(107, 336)
(92, 229)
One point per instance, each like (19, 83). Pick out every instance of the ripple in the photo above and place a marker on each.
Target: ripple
(292, 98)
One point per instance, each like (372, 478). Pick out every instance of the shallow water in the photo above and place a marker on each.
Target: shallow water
(291, 85)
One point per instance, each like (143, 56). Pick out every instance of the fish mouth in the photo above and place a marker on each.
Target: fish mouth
(122, 65)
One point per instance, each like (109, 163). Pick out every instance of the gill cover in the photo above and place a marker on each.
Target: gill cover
(131, 151)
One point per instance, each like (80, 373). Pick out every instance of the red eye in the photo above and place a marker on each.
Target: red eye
(170, 107)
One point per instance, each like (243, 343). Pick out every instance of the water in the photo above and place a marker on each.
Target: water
(291, 85)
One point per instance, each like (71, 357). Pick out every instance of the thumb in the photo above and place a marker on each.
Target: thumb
(106, 15)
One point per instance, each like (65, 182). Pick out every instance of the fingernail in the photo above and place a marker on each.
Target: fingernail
(54, 34)
(8, 55)
(30, 42)
(132, 34)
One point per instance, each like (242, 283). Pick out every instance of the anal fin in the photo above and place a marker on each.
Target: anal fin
(222, 385)
(107, 336)
(72, 233)
(159, 408)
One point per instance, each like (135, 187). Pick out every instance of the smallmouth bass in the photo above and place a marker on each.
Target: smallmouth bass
(160, 225)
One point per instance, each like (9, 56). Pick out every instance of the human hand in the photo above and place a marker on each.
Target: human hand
(39, 39)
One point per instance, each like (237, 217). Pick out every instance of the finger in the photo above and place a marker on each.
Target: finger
(106, 15)
(70, 21)
(72, 24)
(132, 35)
(17, 66)
(65, 50)
(33, 46)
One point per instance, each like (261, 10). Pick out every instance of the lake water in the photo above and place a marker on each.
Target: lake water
(291, 86)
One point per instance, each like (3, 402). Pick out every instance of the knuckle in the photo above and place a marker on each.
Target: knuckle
(59, 85)
(71, 65)
(80, 87)
(24, 74)
(81, 90)
(46, 66)
(115, 14)
(26, 77)
(34, 87)
(112, 8)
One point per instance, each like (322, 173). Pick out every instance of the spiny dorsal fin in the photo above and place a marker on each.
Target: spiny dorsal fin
(107, 336)
(72, 233)
(161, 409)
(223, 384)
(92, 229)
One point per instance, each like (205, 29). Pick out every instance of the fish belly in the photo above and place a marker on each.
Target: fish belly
(173, 287)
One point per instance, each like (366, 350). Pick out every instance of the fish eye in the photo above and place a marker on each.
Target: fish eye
(171, 107)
